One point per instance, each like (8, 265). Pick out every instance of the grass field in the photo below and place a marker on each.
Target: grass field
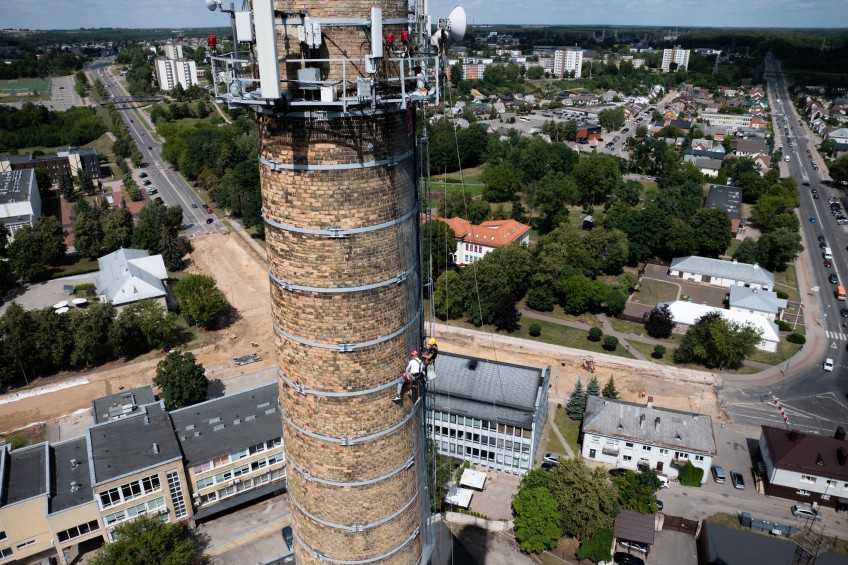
(24, 84)
(652, 291)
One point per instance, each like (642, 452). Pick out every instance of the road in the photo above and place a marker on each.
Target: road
(172, 187)
(814, 400)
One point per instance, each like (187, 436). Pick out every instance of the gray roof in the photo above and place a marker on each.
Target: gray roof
(726, 198)
(121, 405)
(710, 164)
(660, 426)
(492, 391)
(728, 546)
(751, 146)
(24, 473)
(756, 299)
(127, 275)
(752, 274)
(223, 425)
(70, 463)
(128, 445)
(633, 526)
(17, 186)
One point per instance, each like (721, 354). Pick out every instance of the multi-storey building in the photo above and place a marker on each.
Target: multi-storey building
(20, 201)
(487, 412)
(186, 465)
(675, 55)
(474, 242)
(68, 160)
(568, 60)
(629, 435)
(473, 71)
(715, 119)
(175, 69)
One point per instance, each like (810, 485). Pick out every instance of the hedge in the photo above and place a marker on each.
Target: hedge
(690, 476)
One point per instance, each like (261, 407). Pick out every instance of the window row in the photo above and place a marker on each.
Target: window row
(239, 471)
(482, 424)
(492, 441)
(78, 531)
(135, 511)
(130, 491)
(223, 460)
(241, 486)
(486, 455)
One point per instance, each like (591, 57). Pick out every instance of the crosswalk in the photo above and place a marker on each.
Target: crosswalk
(837, 335)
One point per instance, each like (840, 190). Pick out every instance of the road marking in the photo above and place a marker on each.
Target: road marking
(836, 335)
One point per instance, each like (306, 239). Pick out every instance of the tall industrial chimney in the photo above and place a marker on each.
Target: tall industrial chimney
(334, 86)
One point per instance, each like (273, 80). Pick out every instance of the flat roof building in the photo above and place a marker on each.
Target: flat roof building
(68, 160)
(20, 201)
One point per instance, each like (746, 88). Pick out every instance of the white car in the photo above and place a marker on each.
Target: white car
(828, 364)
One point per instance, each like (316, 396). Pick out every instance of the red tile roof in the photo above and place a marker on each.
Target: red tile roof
(493, 233)
(805, 453)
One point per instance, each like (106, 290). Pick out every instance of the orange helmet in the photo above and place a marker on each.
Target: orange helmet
(414, 354)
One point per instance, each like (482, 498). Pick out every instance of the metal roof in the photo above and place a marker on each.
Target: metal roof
(733, 270)
(226, 424)
(728, 546)
(756, 299)
(127, 275)
(72, 485)
(488, 390)
(129, 445)
(725, 198)
(24, 474)
(649, 425)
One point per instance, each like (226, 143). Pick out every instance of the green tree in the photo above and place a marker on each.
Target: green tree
(117, 227)
(579, 294)
(610, 391)
(538, 522)
(147, 233)
(576, 402)
(439, 475)
(172, 249)
(200, 298)
(84, 180)
(535, 478)
(636, 491)
(553, 192)
(595, 334)
(612, 118)
(778, 248)
(839, 169)
(596, 548)
(25, 254)
(147, 539)
(17, 330)
(458, 204)
(50, 237)
(716, 342)
(157, 327)
(570, 130)
(44, 182)
(88, 235)
(585, 497)
(711, 232)
(594, 388)
(616, 301)
(182, 380)
(91, 330)
(659, 351)
(501, 182)
(660, 323)
(449, 302)
(505, 315)
(439, 245)
(610, 343)
(597, 176)
(504, 271)
(66, 186)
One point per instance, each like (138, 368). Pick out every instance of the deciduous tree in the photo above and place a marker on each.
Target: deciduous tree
(182, 380)
(147, 539)
(200, 298)
(439, 245)
(660, 323)
(716, 342)
(585, 497)
(538, 521)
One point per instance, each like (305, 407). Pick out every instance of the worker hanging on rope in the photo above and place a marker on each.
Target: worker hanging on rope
(429, 357)
(413, 372)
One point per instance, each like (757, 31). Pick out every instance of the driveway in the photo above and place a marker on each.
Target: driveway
(673, 548)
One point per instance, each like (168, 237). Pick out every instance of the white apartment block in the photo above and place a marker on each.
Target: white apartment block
(675, 55)
(634, 436)
(715, 119)
(567, 60)
(170, 72)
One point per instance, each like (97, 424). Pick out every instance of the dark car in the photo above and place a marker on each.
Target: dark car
(149, 148)
(844, 312)
(142, 175)
(660, 505)
(618, 472)
(209, 220)
(194, 205)
(821, 238)
(548, 466)
(622, 558)
(833, 278)
(822, 244)
(827, 263)
(737, 479)
(288, 537)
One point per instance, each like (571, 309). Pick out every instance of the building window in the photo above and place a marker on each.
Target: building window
(808, 479)
(20, 546)
(663, 451)
(627, 458)
(130, 491)
(699, 458)
(4, 538)
(175, 487)
(628, 445)
(6, 553)
(646, 448)
(78, 531)
(134, 511)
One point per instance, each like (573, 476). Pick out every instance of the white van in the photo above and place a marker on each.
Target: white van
(827, 254)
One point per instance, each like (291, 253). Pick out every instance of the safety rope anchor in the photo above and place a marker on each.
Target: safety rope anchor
(336, 232)
(400, 278)
(345, 346)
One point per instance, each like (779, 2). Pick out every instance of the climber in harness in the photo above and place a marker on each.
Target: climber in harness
(413, 372)
(429, 358)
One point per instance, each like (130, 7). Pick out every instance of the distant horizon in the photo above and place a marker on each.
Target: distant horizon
(55, 15)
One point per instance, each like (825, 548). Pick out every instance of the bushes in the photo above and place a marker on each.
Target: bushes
(659, 351)
(784, 326)
(690, 476)
(595, 334)
(796, 338)
(610, 343)
(535, 330)
(596, 548)
(781, 294)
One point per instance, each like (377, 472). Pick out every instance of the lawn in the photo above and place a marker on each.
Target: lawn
(473, 175)
(570, 429)
(24, 84)
(787, 281)
(785, 350)
(71, 265)
(652, 291)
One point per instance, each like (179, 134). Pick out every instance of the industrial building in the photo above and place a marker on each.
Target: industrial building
(20, 201)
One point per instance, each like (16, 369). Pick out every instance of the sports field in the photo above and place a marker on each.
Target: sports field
(24, 85)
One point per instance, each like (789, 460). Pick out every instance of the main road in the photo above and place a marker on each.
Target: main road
(172, 187)
(813, 399)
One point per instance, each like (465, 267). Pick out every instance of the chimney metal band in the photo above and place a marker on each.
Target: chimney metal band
(312, 478)
(346, 346)
(336, 232)
(323, 558)
(346, 441)
(300, 390)
(393, 160)
(321, 289)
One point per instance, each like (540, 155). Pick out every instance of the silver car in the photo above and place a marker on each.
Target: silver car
(718, 474)
(806, 511)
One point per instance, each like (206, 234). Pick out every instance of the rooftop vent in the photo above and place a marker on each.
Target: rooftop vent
(642, 421)
(155, 447)
(219, 427)
(74, 486)
(840, 433)
(656, 423)
(214, 420)
(472, 364)
(74, 464)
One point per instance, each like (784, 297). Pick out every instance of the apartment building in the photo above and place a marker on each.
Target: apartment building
(486, 412)
(714, 119)
(175, 69)
(473, 71)
(137, 458)
(630, 435)
(675, 55)
(568, 60)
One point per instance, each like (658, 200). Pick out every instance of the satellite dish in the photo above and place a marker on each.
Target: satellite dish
(457, 23)
(212, 5)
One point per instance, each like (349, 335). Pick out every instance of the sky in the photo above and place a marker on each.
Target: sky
(62, 14)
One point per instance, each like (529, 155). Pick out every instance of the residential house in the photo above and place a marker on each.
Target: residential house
(755, 301)
(686, 314)
(20, 200)
(838, 135)
(129, 275)
(808, 468)
(721, 273)
(488, 413)
(748, 147)
(709, 167)
(634, 436)
(475, 241)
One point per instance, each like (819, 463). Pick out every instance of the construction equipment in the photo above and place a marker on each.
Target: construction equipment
(588, 363)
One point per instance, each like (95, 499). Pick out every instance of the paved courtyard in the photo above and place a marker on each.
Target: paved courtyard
(495, 502)
(699, 293)
(673, 548)
(43, 294)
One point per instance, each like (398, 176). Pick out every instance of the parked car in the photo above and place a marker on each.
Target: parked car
(844, 312)
(718, 474)
(142, 175)
(737, 479)
(806, 511)
(152, 190)
(660, 505)
(552, 457)
(288, 537)
(147, 182)
(621, 558)
(548, 466)
(634, 545)
(821, 238)
(618, 472)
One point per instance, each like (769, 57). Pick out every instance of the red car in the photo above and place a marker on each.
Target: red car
(209, 210)
(827, 263)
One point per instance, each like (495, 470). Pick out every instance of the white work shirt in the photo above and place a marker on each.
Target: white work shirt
(414, 366)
